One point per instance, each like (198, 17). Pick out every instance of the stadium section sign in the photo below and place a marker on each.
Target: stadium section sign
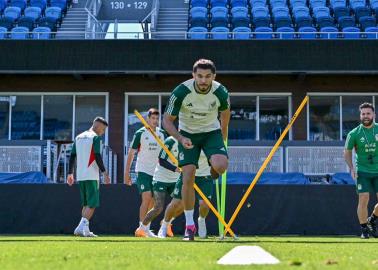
(125, 10)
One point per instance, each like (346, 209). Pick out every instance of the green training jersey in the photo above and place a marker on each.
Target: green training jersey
(197, 112)
(364, 141)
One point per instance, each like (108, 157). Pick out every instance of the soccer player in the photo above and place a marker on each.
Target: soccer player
(197, 103)
(363, 139)
(176, 206)
(164, 181)
(145, 145)
(87, 150)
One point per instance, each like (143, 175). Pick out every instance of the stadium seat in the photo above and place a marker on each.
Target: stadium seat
(278, 3)
(219, 17)
(12, 13)
(62, 4)
(198, 22)
(3, 5)
(323, 17)
(281, 17)
(258, 3)
(242, 33)
(371, 32)
(297, 3)
(351, 33)
(42, 4)
(220, 33)
(317, 3)
(263, 33)
(346, 21)
(198, 12)
(367, 21)
(219, 22)
(3, 32)
(41, 33)
(329, 32)
(26, 22)
(239, 12)
(18, 3)
(6, 23)
(238, 3)
(307, 33)
(260, 17)
(197, 33)
(199, 3)
(286, 32)
(340, 12)
(374, 6)
(240, 22)
(218, 3)
(33, 12)
(53, 14)
(19, 33)
(302, 17)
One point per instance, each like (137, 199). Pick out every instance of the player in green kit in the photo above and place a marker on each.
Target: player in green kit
(364, 140)
(197, 103)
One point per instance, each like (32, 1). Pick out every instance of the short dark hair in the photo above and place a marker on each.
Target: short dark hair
(367, 105)
(153, 111)
(204, 64)
(101, 120)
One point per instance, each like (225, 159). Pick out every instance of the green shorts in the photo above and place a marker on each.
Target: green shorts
(144, 182)
(210, 142)
(163, 187)
(90, 193)
(205, 183)
(367, 182)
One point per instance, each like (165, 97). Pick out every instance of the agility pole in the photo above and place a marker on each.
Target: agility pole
(173, 158)
(262, 168)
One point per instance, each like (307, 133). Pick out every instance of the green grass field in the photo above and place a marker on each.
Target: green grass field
(119, 252)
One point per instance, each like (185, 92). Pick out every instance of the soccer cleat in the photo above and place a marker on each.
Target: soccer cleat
(169, 231)
(202, 231)
(91, 234)
(151, 234)
(162, 232)
(140, 233)
(190, 231)
(372, 227)
(364, 233)
(78, 231)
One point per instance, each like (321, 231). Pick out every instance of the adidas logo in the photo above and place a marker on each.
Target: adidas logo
(189, 105)
(223, 149)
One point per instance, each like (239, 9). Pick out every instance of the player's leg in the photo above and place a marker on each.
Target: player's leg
(364, 186)
(174, 209)
(144, 184)
(371, 221)
(93, 201)
(216, 152)
(206, 186)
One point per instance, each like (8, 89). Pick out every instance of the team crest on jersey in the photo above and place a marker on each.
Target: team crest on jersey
(359, 187)
(142, 187)
(181, 156)
(212, 105)
(362, 140)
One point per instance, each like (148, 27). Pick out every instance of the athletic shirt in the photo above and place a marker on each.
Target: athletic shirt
(148, 149)
(162, 174)
(365, 142)
(203, 166)
(198, 112)
(86, 145)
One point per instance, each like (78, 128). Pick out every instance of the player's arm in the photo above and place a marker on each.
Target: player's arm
(224, 108)
(348, 154)
(71, 166)
(98, 158)
(135, 144)
(224, 121)
(163, 156)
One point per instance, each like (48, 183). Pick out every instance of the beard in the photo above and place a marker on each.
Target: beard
(367, 122)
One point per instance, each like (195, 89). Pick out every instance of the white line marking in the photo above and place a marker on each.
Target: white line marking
(244, 255)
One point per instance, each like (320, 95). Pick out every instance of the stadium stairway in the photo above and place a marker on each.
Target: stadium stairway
(172, 18)
(75, 21)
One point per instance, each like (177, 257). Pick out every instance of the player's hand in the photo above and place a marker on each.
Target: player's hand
(187, 143)
(128, 179)
(178, 169)
(70, 179)
(353, 174)
(106, 179)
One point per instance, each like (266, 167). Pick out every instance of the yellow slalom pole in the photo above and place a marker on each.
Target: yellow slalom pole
(262, 168)
(173, 158)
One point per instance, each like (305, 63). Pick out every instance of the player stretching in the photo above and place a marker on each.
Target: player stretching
(148, 152)
(87, 150)
(197, 103)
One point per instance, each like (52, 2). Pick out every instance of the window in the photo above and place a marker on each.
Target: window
(26, 117)
(86, 109)
(57, 117)
(243, 118)
(274, 117)
(4, 117)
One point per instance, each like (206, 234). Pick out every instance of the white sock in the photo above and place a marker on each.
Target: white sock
(148, 226)
(201, 218)
(189, 217)
(84, 222)
(172, 219)
(164, 224)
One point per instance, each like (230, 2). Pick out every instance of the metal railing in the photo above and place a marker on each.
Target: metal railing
(94, 29)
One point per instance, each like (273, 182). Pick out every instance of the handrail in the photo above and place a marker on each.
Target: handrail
(93, 25)
(153, 14)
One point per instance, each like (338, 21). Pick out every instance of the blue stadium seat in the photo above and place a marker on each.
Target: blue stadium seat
(19, 33)
(219, 17)
(258, 3)
(298, 3)
(33, 12)
(286, 32)
(242, 33)
(302, 17)
(62, 4)
(367, 21)
(6, 23)
(351, 33)
(18, 3)
(3, 5)
(3, 32)
(239, 12)
(338, 3)
(26, 22)
(346, 21)
(53, 14)
(341, 12)
(238, 3)
(374, 6)
(281, 17)
(307, 33)
(260, 17)
(240, 22)
(317, 3)
(278, 3)
(220, 33)
(329, 32)
(218, 3)
(41, 33)
(199, 3)
(323, 17)
(371, 32)
(197, 33)
(198, 12)
(198, 22)
(12, 13)
(42, 4)
(263, 33)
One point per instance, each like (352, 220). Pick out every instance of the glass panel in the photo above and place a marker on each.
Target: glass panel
(243, 118)
(57, 123)
(26, 117)
(87, 108)
(4, 117)
(142, 104)
(324, 118)
(274, 117)
(351, 112)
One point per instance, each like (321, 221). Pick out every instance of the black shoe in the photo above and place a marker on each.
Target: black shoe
(372, 227)
(364, 233)
(190, 231)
